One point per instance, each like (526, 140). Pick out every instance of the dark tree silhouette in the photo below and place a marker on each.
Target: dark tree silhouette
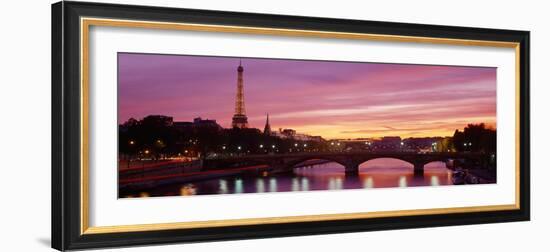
(476, 138)
(156, 136)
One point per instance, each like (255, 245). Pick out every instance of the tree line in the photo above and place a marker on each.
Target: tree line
(157, 137)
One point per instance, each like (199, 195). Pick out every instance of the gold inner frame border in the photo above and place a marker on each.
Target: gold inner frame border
(86, 22)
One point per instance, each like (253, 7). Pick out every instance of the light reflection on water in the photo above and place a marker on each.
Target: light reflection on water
(379, 173)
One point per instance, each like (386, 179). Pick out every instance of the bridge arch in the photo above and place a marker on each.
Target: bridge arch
(432, 163)
(350, 160)
(416, 162)
(293, 163)
(404, 161)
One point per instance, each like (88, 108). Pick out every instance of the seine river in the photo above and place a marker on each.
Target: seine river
(378, 173)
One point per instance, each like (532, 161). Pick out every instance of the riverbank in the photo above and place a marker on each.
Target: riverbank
(162, 174)
(484, 176)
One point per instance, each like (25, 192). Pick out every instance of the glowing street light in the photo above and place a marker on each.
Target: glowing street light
(146, 151)
(238, 147)
(132, 142)
(273, 146)
(223, 147)
(261, 146)
(305, 145)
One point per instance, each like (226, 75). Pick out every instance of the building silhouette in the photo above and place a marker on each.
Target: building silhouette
(198, 123)
(240, 120)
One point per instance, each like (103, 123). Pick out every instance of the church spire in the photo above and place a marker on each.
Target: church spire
(267, 128)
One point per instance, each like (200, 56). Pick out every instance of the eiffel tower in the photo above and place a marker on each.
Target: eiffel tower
(240, 120)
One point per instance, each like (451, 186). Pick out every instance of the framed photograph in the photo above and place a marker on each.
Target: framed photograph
(180, 125)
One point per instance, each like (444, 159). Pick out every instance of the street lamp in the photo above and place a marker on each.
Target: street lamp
(434, 147)
(261, 146)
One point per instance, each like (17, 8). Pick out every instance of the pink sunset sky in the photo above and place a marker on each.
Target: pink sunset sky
(326, 98)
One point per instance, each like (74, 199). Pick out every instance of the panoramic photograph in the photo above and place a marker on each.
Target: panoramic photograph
(208, 125)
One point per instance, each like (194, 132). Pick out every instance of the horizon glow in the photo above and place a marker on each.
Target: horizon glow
(327, 98)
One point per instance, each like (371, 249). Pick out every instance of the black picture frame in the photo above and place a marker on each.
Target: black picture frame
(66, 124)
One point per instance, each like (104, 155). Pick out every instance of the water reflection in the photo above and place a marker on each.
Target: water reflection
(402, 181)
(434, 180)
(273, 185)
(305, 184)
(238, 185)
(295, 184)
(260, 187)
(378, 173)
(223, 186)
(368, 182)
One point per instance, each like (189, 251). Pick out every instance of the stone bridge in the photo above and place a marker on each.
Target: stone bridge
(350, 160)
